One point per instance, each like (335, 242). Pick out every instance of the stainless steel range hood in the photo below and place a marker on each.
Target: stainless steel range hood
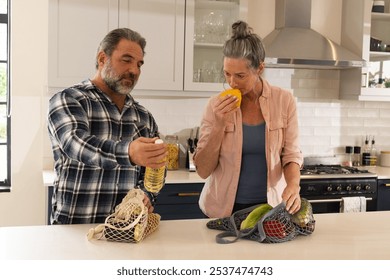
(293, 44)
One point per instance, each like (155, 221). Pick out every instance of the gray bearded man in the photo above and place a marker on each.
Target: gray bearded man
(102, 139)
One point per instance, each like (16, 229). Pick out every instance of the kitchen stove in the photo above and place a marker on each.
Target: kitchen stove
(325, 185)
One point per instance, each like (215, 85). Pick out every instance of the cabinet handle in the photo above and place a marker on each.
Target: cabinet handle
(331, 200)
(387, 185)
(189, 194)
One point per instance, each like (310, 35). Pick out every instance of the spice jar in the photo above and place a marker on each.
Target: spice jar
(348, 159)
(172, 142)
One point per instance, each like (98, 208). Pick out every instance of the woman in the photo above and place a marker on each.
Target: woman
(250, 154)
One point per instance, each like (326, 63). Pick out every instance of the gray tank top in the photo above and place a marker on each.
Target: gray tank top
(252, 185)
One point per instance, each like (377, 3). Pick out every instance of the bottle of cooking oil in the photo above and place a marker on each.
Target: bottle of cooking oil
(373, 153)
(154, 177)
(366, 152)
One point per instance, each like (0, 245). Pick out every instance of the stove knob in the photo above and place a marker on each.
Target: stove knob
(349, 188)
(329, 188)
(339, 188)
(358, 187)
(367, 187)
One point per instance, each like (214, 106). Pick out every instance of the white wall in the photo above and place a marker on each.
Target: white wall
(326, 123)
(24, 205)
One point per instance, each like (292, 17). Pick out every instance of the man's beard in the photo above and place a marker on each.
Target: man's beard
(115, 82)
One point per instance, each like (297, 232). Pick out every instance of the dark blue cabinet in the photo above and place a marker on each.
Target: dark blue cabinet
(175, 201)
(383, 195)
(179, 201)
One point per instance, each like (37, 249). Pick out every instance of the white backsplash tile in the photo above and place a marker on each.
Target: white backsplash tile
(384, 113)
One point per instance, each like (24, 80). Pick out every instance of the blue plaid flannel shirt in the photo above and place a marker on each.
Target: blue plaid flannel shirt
(90, 139)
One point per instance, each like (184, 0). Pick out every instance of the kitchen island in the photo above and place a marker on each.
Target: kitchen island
(344, 236)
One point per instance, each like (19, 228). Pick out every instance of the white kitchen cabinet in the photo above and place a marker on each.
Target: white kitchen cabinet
(208, 25)
(75, 30)
(363, 24)
(169, 26)
(161, 22)
(380, 26)
(77, 27)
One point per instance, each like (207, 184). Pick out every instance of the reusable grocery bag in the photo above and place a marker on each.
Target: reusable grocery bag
(130, 222)
(275, 226)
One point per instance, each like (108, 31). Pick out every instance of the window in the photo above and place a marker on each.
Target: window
(5, 149)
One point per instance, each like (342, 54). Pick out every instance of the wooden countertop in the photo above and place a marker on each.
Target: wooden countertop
(347, 236)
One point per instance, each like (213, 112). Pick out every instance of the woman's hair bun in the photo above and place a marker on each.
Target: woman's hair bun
(241, 30)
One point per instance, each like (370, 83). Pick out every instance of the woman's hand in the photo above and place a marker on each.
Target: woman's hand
(224, 107)
(292, 198)
(290, 194)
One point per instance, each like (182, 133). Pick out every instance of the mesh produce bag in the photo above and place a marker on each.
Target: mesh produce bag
(275, 226)
(130, 222)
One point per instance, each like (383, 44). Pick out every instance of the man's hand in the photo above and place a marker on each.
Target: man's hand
(148, 204)
(144, 152)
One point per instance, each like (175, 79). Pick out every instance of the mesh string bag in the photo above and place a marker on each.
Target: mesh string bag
(275, 226)
(130, 222)
(303, 219)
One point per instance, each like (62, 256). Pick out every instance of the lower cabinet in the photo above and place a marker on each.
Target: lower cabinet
(179, 201)
(383, 195)
(175, 201)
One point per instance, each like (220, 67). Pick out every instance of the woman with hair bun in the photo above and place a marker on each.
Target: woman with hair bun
(250, 153)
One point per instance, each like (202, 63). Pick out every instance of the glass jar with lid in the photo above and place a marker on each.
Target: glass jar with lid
(172, 142)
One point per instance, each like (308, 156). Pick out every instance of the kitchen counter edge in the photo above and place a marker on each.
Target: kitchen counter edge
(181, 176)
(381, 171)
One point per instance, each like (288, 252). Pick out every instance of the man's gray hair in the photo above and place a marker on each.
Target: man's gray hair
(111, 40)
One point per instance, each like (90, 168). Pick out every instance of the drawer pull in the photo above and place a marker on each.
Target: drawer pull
(189, 194)
(387, 185)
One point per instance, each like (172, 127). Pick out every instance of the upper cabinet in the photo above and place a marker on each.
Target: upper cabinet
(378, 73)
(184, 39)
(360, 27)
(78, 26)
(75, 30)
(208, 26)
(161, 23)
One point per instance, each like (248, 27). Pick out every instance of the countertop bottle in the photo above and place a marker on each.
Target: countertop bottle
(348, 152)
(172, 142)
(373, 153)
(366, 152)
(154, 177)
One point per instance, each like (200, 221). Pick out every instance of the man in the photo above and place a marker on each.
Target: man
(101, 137)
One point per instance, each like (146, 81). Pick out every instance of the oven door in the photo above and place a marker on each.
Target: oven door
(326, 194)
(332, 205)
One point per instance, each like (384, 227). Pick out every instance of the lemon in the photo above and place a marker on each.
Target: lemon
(235, 92)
